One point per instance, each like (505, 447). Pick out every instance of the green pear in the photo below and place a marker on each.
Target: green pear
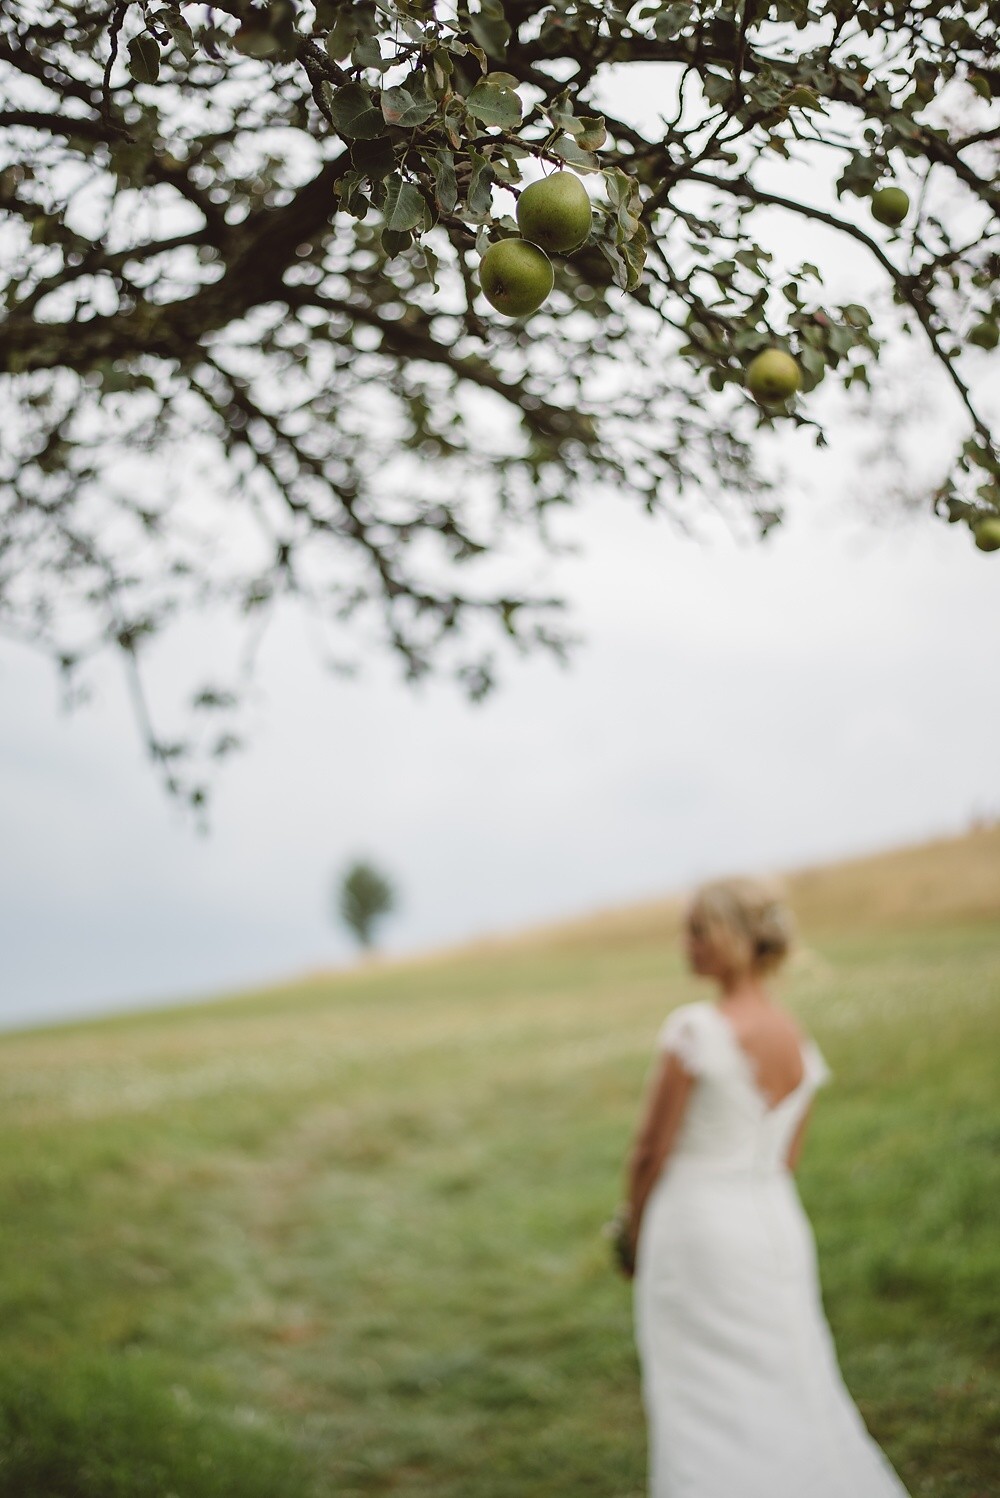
(515, 276)
(985, 334)
(890, 205)
(773, 376)
(555, 213)
(987, 533)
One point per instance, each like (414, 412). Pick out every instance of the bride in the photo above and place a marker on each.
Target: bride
(741, 1387)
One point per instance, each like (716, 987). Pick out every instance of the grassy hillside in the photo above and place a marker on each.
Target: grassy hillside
(343, 1238)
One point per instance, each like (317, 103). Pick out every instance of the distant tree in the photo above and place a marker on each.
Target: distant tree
(364, 896)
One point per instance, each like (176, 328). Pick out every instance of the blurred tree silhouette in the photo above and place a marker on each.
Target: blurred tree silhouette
(239, 260)
(364, 896)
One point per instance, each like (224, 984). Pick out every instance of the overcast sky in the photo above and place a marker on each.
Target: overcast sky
(734, 707)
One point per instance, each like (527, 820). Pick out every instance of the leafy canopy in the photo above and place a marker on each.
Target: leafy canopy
(239, 269)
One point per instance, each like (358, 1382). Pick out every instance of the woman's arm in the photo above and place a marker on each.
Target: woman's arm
(795, 1147)
(667, 1100)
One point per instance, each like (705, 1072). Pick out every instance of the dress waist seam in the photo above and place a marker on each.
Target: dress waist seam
(711, 1167)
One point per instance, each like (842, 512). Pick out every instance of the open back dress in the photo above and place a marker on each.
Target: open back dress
(742, 1390)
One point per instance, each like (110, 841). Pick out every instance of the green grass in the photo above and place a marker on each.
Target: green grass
(344, 1239)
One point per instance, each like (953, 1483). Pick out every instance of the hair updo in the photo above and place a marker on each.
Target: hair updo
(745, 921)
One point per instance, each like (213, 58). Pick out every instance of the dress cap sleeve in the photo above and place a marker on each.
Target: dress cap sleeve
(821, 1073)
(683, 1033)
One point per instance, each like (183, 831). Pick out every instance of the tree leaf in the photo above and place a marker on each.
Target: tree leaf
(254, 38)
(395, 240)
(717, 88)
(594, 132)
(617, 263)
(376, 158)
(368, 54)
(490, 28)
(179, 29)
(442, 164)
(493, 104)
(144, 58)
(403, 207)
(480, 199)
(340, 37)
(430, 261)
(353, 111)
(567, 148)
(399, 107)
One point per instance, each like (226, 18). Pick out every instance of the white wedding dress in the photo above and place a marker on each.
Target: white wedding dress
(741, 1386)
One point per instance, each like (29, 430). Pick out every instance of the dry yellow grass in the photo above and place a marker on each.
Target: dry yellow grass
(950, 879)
(945, 880)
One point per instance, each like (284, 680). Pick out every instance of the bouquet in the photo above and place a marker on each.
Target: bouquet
(619, 1231)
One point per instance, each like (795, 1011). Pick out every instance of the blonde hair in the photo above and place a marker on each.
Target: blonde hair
(745, 921)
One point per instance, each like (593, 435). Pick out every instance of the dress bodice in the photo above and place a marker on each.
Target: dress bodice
(729, 1122)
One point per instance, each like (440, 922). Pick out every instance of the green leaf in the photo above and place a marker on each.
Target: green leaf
(404, 207)
(614, 258)
(619, 184)
(430, 261)
(179, 30)
(800, 98)
(340, 37)
(254, 38)
(375, 158)
(399, 107)
(494, 104)
(560, 112)
(717, 88)
(840, 339)
(671, 20)
(442, 67)
(442, 164)
(368, 54)
(503, 80)
(635, 258)
(144, 58)
(627, 219)
(352, 199)
(395, 240)
(490, 28)
(812, 361)
(593, 134)
(353, 111)
(567, 149)
(480, 199)
(506, 171)
(859, 176)
(857, 315)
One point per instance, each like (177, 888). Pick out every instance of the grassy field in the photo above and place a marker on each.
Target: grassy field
(343, 1238)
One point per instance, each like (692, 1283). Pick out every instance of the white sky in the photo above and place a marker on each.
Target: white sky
(736, 706)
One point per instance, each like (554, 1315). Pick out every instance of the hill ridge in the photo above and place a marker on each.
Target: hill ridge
(951, 877)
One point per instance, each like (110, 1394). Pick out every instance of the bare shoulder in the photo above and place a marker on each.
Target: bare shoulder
(770, 1022)
(775, 1042)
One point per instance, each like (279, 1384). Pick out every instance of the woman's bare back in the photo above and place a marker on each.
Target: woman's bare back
(772, 1042)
